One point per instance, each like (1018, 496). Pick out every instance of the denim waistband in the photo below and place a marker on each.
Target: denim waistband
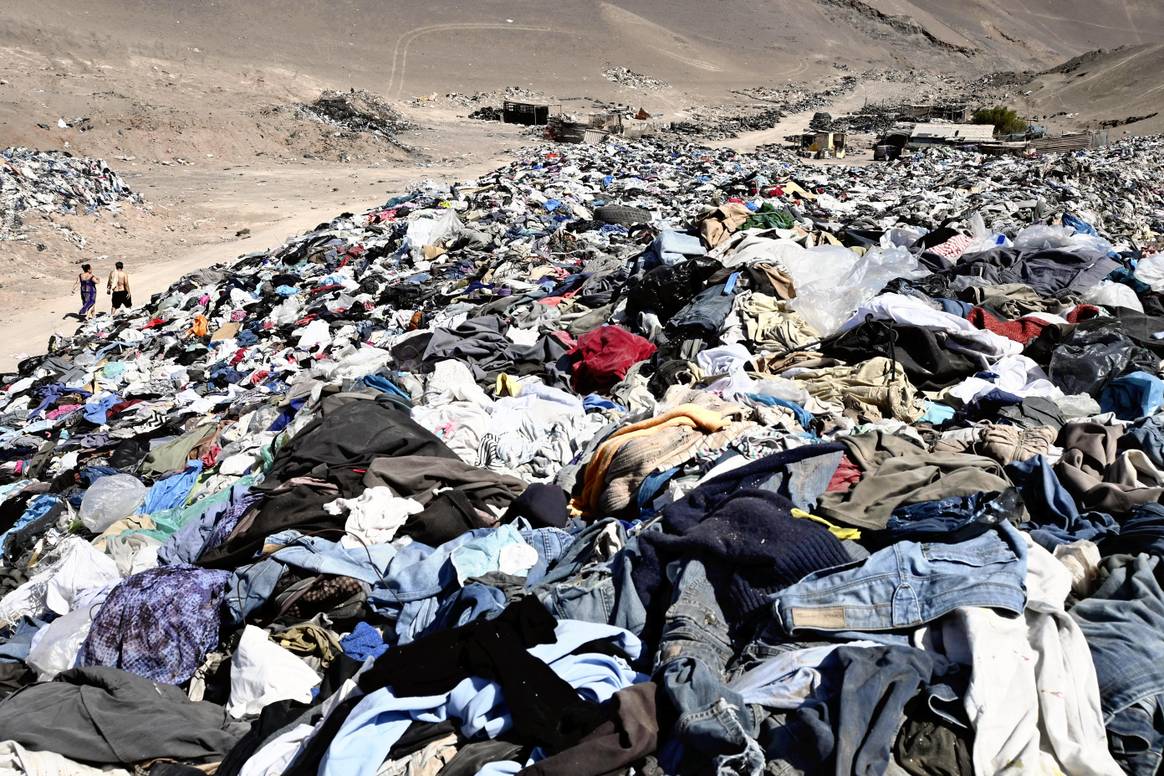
(909, 584)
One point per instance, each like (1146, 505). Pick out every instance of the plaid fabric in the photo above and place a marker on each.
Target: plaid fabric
(323, 594)
(158, 624)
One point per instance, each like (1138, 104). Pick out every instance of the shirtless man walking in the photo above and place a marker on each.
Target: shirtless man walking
(118, 286)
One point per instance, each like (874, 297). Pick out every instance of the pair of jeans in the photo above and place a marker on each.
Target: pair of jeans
(550, 544)
(1123, 622)
(601, 593)
(909, 584)
(953, 519)
(587, 545)
(714, 729)
(706, 312)
(1142, 531)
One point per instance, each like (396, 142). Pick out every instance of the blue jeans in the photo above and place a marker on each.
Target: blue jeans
(909, 584)
(602, 593)
(706, 311)
(550, 544)
(580, 551)
(714, 728)
(1123, 621)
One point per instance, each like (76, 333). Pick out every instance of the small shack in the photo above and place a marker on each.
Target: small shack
(527, 113)
(823, 145)
(958, 113)
(1047, 145)
(925, 135)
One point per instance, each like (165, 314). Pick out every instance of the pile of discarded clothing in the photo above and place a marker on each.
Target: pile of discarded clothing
(356, 111)
(629, 458)
(770, 106)
(57, 182)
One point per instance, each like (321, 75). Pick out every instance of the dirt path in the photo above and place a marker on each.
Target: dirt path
(796, 123)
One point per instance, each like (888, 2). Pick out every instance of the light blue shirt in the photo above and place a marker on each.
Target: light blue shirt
(380, 719)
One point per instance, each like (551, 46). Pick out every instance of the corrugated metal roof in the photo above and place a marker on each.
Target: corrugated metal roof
(973, 133)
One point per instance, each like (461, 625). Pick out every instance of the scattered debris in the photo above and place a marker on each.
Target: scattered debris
(480, 439)
(487, 113)
(626, 77)
(1112, 123)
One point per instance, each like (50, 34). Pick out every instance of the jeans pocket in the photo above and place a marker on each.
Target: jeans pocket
(972, 553)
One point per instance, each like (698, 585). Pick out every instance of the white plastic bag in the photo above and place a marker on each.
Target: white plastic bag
(430, 231)
(1037, 237)
(832, 282)
(1109, 294)
(1150, 270)
(109, 499)
(902, 236)
(262, 673)
(55, 646)
(984, 239)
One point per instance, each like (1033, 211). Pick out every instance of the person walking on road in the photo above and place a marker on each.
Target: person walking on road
(118, 287)
(87, 282)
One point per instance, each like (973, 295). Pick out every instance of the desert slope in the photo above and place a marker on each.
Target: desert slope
(400, 48)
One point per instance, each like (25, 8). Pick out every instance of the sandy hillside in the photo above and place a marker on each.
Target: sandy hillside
(1120, 89)
(398, 47)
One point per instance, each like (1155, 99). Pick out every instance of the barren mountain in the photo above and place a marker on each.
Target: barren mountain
(398, 48)
(1121, 90)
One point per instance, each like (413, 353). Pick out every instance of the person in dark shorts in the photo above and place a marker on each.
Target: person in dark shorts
(118, 287)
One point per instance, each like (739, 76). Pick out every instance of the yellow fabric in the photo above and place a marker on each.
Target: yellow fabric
(690, 415)
(840, 532)
(201, 326)
(506, 385)
(130, 523)
(792, 188)
(225, 332)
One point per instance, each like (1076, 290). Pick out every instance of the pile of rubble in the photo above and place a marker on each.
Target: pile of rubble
(481, 101)
(772, 105)
(357, 111)
(55, 182)
(487, 113)
(626, 77)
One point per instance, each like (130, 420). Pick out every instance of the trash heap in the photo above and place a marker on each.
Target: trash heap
(629, 458)
(626, 77)
(357, 111)
(55, 182)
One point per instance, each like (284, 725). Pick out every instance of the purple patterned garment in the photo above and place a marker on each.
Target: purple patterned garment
(211, 529)
(158, 624)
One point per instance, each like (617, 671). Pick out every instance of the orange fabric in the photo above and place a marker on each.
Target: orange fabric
(201, 326)
(691, 415)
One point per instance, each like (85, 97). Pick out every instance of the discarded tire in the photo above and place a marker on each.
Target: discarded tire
(622, 214)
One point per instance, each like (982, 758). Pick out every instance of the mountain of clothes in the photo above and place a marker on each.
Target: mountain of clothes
(57, 182)
(624, 459)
